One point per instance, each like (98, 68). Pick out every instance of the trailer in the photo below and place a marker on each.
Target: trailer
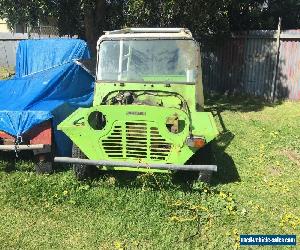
(48, 86)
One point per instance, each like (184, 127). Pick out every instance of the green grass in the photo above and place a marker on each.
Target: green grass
(5, 73)
(255, 191)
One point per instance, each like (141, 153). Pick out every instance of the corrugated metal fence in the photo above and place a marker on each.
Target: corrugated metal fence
(244, 63)
(248, 64)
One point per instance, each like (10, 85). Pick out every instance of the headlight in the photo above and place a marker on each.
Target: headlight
(97, 120)
(174, 124)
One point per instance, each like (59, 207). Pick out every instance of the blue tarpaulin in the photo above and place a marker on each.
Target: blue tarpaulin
(37, 55)
(49, 84)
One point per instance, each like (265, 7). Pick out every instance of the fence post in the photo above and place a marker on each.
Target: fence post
(273, 90)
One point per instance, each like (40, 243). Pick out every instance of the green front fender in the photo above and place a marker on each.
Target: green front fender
(136, 133)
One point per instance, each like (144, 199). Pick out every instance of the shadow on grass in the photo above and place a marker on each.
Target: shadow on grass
(9, 162)
(219, 103)
(227, 171)
(182, 181)
(61, 167)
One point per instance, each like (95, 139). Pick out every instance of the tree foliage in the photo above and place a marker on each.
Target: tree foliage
(289, 10)
(25, 11)
(88, 18)
(202, 17)
(263, 14)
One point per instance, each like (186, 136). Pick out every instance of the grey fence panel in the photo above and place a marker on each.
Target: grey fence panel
(247, 64)
(259, 64)
(8, 53)
(9, 44)
(288, 77)
(223, 65)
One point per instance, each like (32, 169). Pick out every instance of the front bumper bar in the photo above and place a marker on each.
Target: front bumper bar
(36, 148)
(174, 167)
(22, 147)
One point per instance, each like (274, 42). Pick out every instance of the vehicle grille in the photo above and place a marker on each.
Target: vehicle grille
(136, 140)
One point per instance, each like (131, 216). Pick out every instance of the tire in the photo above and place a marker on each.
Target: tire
(44, 164)
(204, 156)
(43, 167)
(205, 176)
(83, 172)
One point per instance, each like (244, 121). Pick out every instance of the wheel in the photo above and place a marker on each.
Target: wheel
(205, 176)
(43, 167)
(204, 156)
(44, 164)
(82, 172)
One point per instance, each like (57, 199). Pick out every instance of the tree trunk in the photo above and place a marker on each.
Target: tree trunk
(89, 26)
(94, 14)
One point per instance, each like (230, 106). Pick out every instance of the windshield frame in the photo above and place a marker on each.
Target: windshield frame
(198, 59)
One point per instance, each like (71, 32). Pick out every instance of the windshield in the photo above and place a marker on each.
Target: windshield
(148, 60)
